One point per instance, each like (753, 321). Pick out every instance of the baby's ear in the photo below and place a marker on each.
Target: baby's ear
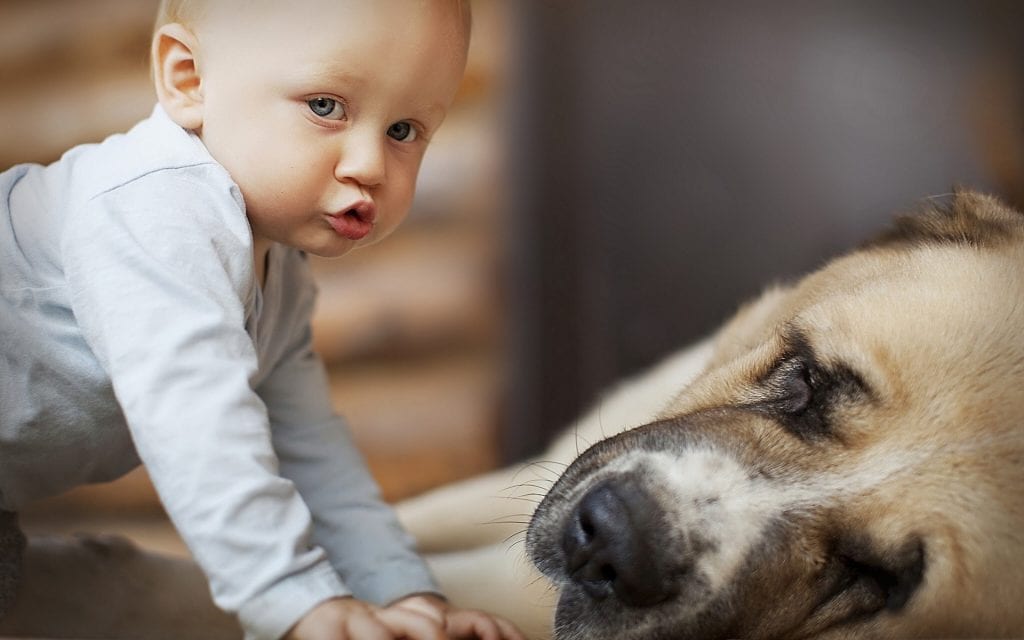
(176, 75)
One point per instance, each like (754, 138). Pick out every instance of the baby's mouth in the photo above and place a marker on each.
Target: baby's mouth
(354, 223)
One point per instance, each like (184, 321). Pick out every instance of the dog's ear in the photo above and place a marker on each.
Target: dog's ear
(967, 218)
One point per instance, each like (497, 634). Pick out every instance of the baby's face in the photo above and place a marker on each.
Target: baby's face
(321, 110)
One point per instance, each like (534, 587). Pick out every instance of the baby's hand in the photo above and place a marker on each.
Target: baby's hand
(467, 624)
(461, 624)
(351, 619)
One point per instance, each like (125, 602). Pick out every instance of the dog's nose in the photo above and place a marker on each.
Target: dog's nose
(611, 544)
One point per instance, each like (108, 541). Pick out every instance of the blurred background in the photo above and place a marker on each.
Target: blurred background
(616, 177)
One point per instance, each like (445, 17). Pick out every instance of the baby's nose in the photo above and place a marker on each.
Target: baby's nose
(362, 161)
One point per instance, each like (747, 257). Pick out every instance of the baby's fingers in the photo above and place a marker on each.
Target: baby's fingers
(470, 625)
(367, 628)
(411, 625)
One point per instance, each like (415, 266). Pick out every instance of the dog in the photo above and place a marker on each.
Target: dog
(843, 459)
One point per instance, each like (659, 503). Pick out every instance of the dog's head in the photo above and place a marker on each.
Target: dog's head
(849, 465)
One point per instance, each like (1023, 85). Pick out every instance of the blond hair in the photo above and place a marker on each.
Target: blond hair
(188, 12)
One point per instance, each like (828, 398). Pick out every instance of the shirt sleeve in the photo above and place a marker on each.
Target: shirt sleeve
(158, 272)
(360, 532)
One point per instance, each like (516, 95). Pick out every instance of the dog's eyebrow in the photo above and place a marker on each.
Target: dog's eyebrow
(797, 345)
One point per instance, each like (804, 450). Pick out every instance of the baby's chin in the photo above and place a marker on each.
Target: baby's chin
(340, 247)
(332, 252)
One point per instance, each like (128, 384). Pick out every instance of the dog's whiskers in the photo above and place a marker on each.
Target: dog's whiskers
(543, 465)
(539, 465)
(600, 417)
(579, 438)
(554, 462)
(532, 498)
(509, 540)
(502, 521)
(527, 485)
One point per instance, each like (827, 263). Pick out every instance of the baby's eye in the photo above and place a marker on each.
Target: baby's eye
(328, 108)
(402, 131)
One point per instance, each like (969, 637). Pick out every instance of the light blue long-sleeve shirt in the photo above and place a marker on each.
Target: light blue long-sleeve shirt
(132, 327)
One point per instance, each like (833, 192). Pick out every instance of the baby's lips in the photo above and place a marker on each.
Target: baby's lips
(355, 222)
(364, 210)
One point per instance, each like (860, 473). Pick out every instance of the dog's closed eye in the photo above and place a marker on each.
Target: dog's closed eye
(801, 392)
(792, 387)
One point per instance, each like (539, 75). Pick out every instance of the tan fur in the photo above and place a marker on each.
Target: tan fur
(924, 455)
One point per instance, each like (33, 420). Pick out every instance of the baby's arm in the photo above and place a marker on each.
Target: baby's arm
(358, 530)
(160, 292)
(360, 533)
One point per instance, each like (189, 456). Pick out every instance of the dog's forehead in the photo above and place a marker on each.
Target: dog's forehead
(931, 301)
(835, 305)
(924, 306)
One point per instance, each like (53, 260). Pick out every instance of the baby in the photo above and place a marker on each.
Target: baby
(155, 300)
